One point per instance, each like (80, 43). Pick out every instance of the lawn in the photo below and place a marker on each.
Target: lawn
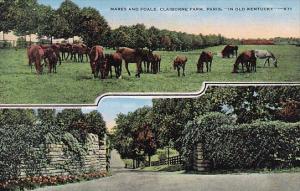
(74, 84)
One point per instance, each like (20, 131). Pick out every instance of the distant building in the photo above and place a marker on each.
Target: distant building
(257, 42)
(12, 38)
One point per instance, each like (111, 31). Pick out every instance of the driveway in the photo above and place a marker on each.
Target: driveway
(132, 180)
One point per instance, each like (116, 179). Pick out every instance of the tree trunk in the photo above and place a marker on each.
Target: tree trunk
(30, 39)
(168, 156)
(51, 39)
(149, 159)
(133, 163)
(2, 35)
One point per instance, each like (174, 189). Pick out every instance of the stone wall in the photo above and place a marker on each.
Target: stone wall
(199, 164)
(55, 161)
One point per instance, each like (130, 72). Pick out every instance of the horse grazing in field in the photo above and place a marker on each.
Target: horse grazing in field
(178, 63)
(155, 63)
(205, 57)
(114, 60)
(246, 58)
(56, 48)
(133, 56)
(97, 61)
(229, 50)
(35, 54)
(265, 54)
(51, 59)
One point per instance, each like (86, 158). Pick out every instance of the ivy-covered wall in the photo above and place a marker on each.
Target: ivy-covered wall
(68, 157)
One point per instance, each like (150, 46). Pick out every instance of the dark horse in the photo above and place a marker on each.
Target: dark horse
(178, 63)
(205, 57)
(133, 56)
(246, 58)
(35, 54)
(56, 48)
(97, 61)
(229, 50)
(51, 59)
(114, 60)
(155, 63)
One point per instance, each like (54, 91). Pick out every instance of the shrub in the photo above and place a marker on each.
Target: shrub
(258, 145)
(195, 131)
(5, 44)
(245, 146)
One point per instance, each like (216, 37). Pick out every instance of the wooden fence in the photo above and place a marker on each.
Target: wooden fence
(171, 161)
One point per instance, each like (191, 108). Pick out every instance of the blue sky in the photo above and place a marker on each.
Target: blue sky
(241, 24)
(110, 107)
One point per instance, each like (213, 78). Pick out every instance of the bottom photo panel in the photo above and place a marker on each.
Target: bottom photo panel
(230, 138)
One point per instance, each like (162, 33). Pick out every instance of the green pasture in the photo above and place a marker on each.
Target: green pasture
(74, 83)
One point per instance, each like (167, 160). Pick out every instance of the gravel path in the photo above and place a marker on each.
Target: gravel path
(132, 180)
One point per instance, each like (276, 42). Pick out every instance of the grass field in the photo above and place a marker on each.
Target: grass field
(74, 83)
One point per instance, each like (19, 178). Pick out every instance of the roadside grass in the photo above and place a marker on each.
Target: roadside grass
(74, 83)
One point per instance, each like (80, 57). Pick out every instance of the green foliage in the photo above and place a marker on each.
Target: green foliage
(256, 145)
(5, 44)
(196, 131)
(22, 43)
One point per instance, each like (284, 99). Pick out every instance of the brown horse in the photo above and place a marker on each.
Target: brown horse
(205, 57)
(155, 63)
(178, 63)
(35, 54)
(114, 60)
(133, 56)
(246, 58)
(51, 59)
(97, 61)
(229, 50)
(56, 48)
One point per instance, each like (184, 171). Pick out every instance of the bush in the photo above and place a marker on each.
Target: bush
(258, 145)
(5, 44)
(245, 146)
(195, 131)
(21, 43)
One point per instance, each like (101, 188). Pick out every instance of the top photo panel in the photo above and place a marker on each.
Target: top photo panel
(73, 51)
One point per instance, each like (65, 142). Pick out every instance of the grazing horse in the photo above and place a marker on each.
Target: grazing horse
(97, 61)
(155, 63)
(51, 59)
(229, 50)
(265, 54)
(246, 58)
(178, 63)
(205, 57)
(56, 48)
(35, 54)
(114, 60)
(132, 56)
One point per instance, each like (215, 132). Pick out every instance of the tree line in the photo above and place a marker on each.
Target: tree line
(162, 125)
(69, 20)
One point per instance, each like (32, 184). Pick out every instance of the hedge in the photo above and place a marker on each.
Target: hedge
(258, 145)
(226, 145)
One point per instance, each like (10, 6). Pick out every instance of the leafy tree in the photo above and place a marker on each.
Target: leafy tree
(7, 20)
(71, 12)
(51, 24)
(93, 27)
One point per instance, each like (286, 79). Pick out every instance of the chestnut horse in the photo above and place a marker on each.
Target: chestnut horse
(56, 48)
(155, 63)
(35, 54)
(178, 63)
(97, 61)
(51, 59)
(205, 57)
(229, 50)
(246, 58)
(133, 56)
(114, 60)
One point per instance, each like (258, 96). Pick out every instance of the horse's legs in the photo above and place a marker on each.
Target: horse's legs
(138, 68)
(206, 66)
(126, 66)
(183, 68)
(111, 71)
(178, 70)
(210, 66)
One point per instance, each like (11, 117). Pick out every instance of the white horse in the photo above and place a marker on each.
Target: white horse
(265, 54)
